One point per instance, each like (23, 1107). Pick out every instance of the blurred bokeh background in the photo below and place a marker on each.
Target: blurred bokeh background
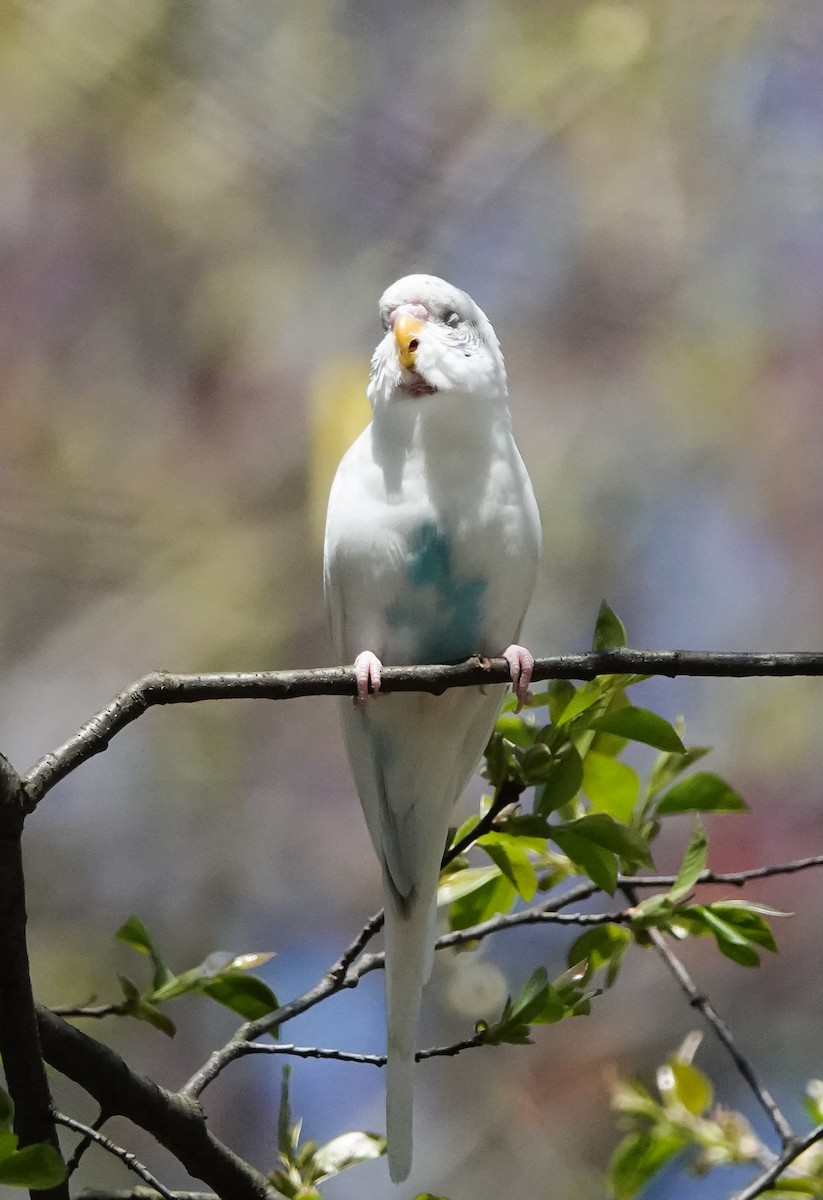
(200, 203)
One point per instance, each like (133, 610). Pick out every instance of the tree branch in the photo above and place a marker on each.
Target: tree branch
(333, 982)
(144, 1193)
(19, 1039)
(369, 1060)
(736, 878)
(792, 1151)
(126, 1156)
(702, 1003)
(175, 1121)
(95, 1011)
(507, 793)
(163, 687)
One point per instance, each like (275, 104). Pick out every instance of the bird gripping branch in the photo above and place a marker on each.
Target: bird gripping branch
(431, 548)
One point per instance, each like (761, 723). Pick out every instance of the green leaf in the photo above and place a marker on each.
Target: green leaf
(611, 786)
(806, 1187)
(655, 910)
(497, 895)
(640, 1156)
(538, 764)
(501, 761)
(143, 1009)
(602, 946)
(609, 630)
(668, 766)
(529, 826)
(602, 829)
(215, 965)
(559, 695)
(730, 941)
(693, 865)
(135, 934)
(681, 1082)
(640, 725)
(35, 1166)
(702, 792)
(6, 1110)
(586, 697)
(513, 860)
(748, 920)
(563, 782)
(347, 1151)
(246, 995)
(598, 863)
(539, 1003)
(283, 1185)
(813, 1100)
(516, 730)
(178, 985)
(457, 884)
(466, 828)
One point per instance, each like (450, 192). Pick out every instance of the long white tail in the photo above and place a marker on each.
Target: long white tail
(409, 938)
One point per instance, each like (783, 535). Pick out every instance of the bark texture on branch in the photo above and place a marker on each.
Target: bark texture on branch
(163, 687)
(175, 1121)
(19, 1039)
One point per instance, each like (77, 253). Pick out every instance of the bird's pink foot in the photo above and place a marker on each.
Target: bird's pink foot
(367, 670)
(521, 666)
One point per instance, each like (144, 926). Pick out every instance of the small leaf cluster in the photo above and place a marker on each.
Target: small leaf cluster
(304, 1165)
(37, 1165)
(222, 976)
(592, 815)
(682, 1119)
(540, 1003)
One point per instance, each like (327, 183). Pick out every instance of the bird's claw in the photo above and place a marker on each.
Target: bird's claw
(367, 671)
(521, 667)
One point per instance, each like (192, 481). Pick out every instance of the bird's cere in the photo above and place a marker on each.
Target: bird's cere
(415, 309)
(432, 539)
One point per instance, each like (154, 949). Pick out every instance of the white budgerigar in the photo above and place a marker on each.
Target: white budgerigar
(432, 540)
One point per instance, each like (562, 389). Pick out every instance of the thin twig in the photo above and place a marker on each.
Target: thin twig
(793, 1150)
(141, 1193)
(507, 793)
(163, 687)
(82, 1146)
(704, 1005)
(332, 982)
(736, 878)
(96, 1011)
(124, 1155)
(373, 925)
(349, 1056)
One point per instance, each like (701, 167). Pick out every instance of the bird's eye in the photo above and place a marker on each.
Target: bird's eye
(451, 317)
(384, 321)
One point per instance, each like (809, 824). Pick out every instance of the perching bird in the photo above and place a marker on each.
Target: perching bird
(432, 540)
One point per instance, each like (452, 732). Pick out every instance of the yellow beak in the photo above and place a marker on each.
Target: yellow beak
(407, 333)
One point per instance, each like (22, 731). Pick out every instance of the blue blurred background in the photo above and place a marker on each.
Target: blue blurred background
(200, 204)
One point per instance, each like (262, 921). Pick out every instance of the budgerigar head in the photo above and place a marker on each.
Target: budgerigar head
(436, 342)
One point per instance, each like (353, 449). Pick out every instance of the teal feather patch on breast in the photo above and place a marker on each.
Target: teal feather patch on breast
(441, 612)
